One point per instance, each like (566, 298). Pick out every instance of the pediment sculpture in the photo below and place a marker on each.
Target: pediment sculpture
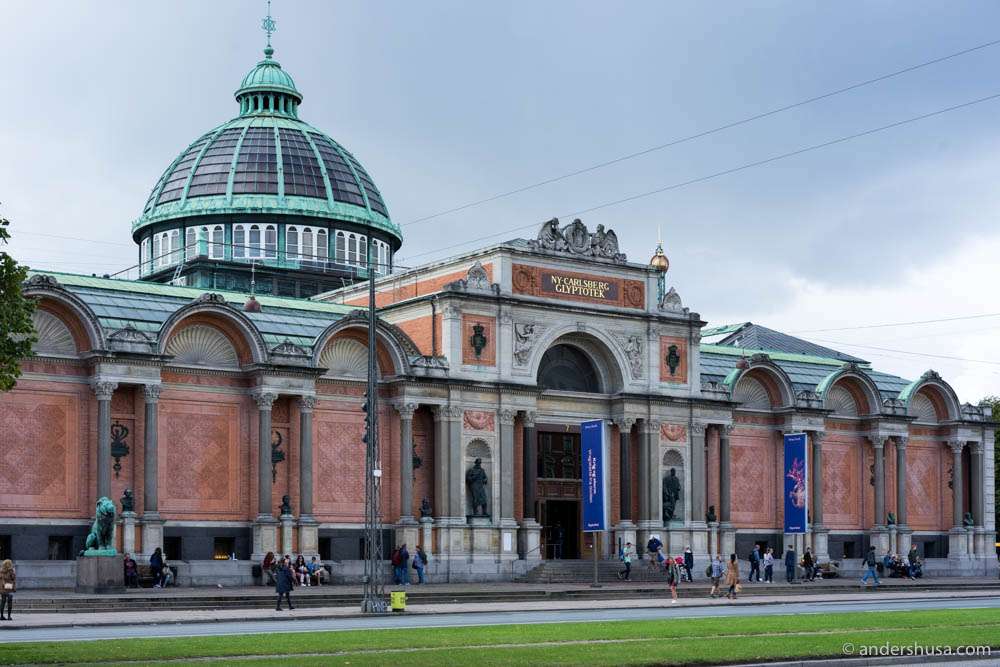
(576, 239)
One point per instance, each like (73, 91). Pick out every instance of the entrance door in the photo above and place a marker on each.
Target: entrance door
(559, 492)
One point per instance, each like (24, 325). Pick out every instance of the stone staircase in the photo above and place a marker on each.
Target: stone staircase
(582, 571)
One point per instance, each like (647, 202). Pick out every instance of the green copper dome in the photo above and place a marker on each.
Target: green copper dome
(267, 161)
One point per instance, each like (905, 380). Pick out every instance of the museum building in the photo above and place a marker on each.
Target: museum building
(218, 399)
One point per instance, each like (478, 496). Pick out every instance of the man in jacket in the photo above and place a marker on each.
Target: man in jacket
(913, 562)
(790, 565)
(870, 562)
(284, 580)
(754, 564)
(718, 571)
(628, 553)
(688, 562)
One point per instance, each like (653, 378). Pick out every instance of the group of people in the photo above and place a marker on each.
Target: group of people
(401, 562)
(302, 572)
(163, 576)
(766, 560)
(910, 566)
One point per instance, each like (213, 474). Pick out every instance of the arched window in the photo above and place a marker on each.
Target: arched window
(155, 259)
(175, 246)
(352, 249)
(253, 242)
(190, 242)
(217, 249)
(362, 250)
(239, 241)
(567, 368)
(308, 251)
(341, 248)
(270, 241)
(292, 242)
(322, 249)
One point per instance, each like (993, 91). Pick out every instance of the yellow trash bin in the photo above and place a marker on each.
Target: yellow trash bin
(397, 600)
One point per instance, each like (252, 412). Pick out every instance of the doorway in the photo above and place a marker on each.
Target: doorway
(559, 493)
(561, 521)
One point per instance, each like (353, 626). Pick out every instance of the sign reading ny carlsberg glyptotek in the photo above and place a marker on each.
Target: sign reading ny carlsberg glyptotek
(593, 461)
(796, 483)
(570, 285)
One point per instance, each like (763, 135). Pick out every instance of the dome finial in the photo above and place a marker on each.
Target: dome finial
(268, 25)
(659, 261)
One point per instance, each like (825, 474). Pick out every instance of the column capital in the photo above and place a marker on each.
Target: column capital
(264, 399)
(528, 418)
(103, 389)
(956, 446)
(625, 424)
(901, 441)
(306, 403)
(152, 392)
(725, 430)
(817, 437)
(878, 442)
(506, 416)
(405, 410)
(651, 426)
(976, 446)
(448, 412)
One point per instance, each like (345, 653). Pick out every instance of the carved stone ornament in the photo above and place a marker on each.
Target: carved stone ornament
(672, 301)
(673, 432)
(476, 280)
(576, 239)
(277, 455)
(104, 390)
(119, 446)
(289, 349)
(673, 359)
(152, 392)
(425, 508)
(525, 336)
(634, 348)
(42, 280)
(478, 339)
(129, 334)
(507, 416)
(478, 420)
(286, 505)
(212, 298)
(127, 501)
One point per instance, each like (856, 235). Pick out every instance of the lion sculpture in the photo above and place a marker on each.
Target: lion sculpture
(102, 534)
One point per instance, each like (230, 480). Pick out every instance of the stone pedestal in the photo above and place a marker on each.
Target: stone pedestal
(970, 542)
(982, 548)
(713, 538)
(407, 532)
(426, 535)
(529, 540)
(508, 540)
(903, 540)
(957, 543)
(98, 575)
(152, 535)
(483, 538)
(894, 539)
(308, 537)
(699, 539)
(128, 532)
(677, 538)
(821, 545)
(287, 541)
(625, 531)
(728, 540)
(880, 538)
(265, 537)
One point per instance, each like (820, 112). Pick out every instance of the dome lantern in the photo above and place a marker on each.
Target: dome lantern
(268, 89)
(659, 261)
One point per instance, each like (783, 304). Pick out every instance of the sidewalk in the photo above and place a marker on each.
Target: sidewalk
(54, 620)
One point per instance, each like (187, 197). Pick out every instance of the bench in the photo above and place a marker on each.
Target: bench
(146, 575)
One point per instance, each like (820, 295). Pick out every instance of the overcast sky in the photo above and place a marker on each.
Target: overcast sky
(450, 102)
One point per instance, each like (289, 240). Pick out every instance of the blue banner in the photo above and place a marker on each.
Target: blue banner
(593, 461)
(796, 483)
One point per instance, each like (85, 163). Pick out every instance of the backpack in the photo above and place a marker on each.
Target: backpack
(708, 571)
(396, 560)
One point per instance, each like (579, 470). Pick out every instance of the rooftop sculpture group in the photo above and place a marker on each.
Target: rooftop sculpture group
(576, 239)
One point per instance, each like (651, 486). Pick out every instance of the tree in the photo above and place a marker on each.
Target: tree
(993, 402)
(17, 332)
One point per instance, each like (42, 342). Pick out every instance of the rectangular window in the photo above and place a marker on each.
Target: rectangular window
(270, 241)
(223, 548)
(60, 547)
(239, 241)
(5, 551)
(217, 249)
(173, 548)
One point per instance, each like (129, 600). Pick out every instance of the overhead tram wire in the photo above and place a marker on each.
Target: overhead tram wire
(725, 172)
(705, 133)
(899, 324)
(915, 354)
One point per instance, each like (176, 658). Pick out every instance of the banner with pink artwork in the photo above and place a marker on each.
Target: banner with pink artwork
(796, 482)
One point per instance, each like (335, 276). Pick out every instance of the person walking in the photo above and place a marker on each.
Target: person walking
(754, 564)
(769, 565)
(673, 576)
(267, 568)
(8, 586)
(404, 563)
(420, 562)
(718, 571)
(870, 561)
(790, 565)
(688, 563)
(732, 577)
(653, 547)
(913, 562)
(156, 567)
(628, 553)
(808, 564)
(284, 580)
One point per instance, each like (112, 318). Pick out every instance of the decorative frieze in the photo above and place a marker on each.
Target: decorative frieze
(479, 420)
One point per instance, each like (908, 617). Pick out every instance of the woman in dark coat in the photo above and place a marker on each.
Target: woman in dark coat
(156, 567)
(283, 582)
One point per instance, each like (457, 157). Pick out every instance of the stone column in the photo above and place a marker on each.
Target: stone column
(265, 537)
(820, 533)
(957, 536)
(308, 527)
(625, 531)
(508, 526)
(643, 475)
(406, 411)
(699, 529)
(980, 549)
(456, 472)
(529, 536)
(104, 390)
(880, 536)
(152, 525)
(440, 463)
(903, 531)
(728, 533)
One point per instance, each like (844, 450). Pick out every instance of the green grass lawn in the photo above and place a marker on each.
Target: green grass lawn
(681, 641)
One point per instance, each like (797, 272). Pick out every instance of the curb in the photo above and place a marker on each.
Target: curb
(582, 607)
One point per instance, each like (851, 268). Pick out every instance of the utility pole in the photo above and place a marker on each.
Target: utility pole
(373, 600)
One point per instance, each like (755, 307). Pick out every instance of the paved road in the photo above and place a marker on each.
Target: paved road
(474, 619)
